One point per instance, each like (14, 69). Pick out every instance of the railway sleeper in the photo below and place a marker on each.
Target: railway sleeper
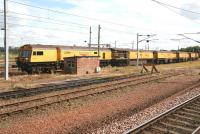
(196, 105)
(188, 118)
(178, 129)
(197, 102)
(185, 119)
(189, 114)
(179, 123)
(163, 130)
(191, 110)
(193, 107)
(182, 121)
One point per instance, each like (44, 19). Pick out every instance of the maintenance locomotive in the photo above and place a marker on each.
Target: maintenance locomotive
(49, 58)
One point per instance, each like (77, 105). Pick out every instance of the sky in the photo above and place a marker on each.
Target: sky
(67, 22)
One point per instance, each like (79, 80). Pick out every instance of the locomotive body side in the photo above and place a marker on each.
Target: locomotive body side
(192, 56)
(164, 57)
(70, 51)
(183, 56)
(49, 58)
(124, 57)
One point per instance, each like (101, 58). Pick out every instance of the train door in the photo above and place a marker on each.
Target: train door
(104, 56)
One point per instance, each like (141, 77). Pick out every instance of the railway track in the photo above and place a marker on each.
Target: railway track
(12, 64)
(26, 104)
(12, 72)
(19, 93)
(181, 119)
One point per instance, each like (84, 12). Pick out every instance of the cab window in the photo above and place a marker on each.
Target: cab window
(25, 54)
(104, 56)
(39, 52)
(34, 52)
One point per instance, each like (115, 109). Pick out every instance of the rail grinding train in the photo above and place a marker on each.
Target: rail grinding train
(49, 58)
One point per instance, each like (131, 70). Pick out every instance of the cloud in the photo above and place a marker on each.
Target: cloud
(195, 7)
(144, 17)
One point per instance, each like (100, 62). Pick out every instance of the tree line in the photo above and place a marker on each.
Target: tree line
(191, 49)
(12, 50)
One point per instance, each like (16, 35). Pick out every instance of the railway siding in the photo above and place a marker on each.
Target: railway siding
(19, 106)
(57, 87)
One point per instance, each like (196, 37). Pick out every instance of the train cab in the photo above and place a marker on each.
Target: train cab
(36, 58)
(24, 57)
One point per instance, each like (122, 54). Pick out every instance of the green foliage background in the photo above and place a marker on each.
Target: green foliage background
(191, 49)
(13, 52)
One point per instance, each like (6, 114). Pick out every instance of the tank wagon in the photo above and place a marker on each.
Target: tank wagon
(48, 58)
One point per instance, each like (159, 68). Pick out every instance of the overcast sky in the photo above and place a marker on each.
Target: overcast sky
(120, 22)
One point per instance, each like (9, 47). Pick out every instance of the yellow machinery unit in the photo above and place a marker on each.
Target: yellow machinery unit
(69, 51)
(197, 55)
(123, 57)
(44, 55)
(164, 57)
(192, 55)
(46, 58)
(183, 56)
(146, 55)
(142, 55)
(38, 58)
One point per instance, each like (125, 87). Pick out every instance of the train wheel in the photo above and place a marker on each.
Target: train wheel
(38, 70)
(30, 71)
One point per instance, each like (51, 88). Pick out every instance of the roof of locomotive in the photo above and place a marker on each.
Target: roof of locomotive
(173, 51)
(40, 46)
(167, 51)
(128, 49)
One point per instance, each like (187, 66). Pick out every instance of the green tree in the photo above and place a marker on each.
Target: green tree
(191, 49)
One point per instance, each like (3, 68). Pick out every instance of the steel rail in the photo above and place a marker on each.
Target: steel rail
(146, 124)
(57, 87)
(76, 96)
(78, 91)
(196, 131)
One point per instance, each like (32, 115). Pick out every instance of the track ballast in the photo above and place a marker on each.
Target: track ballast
(182, 119)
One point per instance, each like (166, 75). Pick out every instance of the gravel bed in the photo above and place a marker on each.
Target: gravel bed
(147, 114)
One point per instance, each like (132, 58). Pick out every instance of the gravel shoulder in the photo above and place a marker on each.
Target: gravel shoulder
(90, 113)
(133, 121)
